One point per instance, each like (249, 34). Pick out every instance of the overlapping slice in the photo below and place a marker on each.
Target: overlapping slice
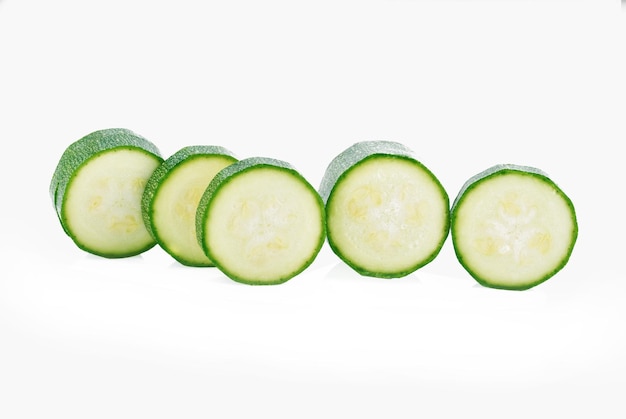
(260, 221)
(512, 227)
(171, 197)
(387, 214)
(96, 190)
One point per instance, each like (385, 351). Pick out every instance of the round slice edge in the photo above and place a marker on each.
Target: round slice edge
(260, 221)
(512, 227)
(171, 197)
(96, 190)
(387, 214)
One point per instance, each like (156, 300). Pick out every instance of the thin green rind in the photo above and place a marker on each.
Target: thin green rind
(79, 153)
(348, 160)
(163, 172)
(503, 170)
(226, 175)
(356, 153)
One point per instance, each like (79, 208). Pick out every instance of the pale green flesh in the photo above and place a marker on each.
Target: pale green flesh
(513, 230)
(387, 216)
(264, 225)
(102, 206)
(175, 205)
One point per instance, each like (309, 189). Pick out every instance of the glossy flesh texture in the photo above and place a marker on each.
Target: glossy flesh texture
(512, 227)
(260, 221)
(96, 191)
(387, 214)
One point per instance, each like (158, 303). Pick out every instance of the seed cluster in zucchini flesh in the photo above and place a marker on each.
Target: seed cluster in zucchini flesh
(171, 197)
(512, 227)
(387, 214)
(96, 191)
(260, 221)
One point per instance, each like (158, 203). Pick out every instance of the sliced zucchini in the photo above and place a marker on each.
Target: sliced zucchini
(96, 191)
(171, 197)
(260, 221)
(387, 215)
(512, 227)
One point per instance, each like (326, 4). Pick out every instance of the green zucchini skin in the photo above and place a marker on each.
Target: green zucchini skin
(503, 170)
(355, 154)
(161, 174)
(79, 153)
(349, 159)
(222, 179)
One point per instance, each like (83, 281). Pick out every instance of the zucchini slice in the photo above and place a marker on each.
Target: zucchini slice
(260, 221)
(386, 214)
(96, 191)
(512, 227)
(171, 197)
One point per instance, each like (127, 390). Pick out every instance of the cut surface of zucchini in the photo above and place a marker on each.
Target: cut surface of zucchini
(512, 227)
(170, 200)
(260, 221)
(387, 215)
(96, 190)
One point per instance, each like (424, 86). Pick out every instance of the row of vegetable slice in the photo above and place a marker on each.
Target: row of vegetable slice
(259, 221)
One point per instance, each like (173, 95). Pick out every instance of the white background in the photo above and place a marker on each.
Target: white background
(465, 84)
